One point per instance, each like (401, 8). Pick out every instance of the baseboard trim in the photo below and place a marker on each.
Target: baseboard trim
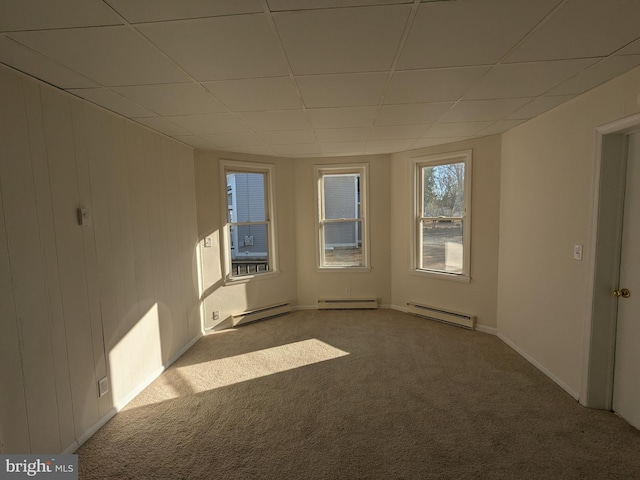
(539, 366)
(398, 309)
(120, 405)
(89, 433)
(304, 307)
(485, 329)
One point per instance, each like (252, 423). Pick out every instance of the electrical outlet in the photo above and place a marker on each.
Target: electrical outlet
(84, 216)
(216, 315)
(207, 242)
(347, 291)
(103, 386)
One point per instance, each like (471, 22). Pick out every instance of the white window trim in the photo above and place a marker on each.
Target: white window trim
(433, 160)
(363, 170)
(270, 212)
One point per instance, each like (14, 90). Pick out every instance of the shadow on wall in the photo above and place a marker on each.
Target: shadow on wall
(152, 332)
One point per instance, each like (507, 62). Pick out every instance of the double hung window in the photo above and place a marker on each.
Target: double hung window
(249, 240)
(342, 217)
(442, 221)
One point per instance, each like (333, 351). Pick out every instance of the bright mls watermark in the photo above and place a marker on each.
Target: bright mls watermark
(53, 467)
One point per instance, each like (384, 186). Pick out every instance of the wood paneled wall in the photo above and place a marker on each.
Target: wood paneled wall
(117, 298)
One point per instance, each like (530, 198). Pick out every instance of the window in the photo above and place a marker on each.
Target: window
(249, 240)
(342, 221)
(442, 223)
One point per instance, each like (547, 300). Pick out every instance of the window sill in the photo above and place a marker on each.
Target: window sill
(250, 278)
(451, 277)
(344, 269)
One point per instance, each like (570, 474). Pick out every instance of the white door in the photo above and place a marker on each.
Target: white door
(626, 387)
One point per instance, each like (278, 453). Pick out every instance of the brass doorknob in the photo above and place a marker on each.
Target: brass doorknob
(623, 292)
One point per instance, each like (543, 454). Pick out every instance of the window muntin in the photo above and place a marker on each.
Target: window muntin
(442, 233)
(249, 240)
(342, 234)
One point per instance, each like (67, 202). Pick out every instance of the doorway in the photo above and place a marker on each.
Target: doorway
(611, 342)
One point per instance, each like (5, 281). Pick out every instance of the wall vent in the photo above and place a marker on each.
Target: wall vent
(260, 314)
(447, 316)
(347, 303)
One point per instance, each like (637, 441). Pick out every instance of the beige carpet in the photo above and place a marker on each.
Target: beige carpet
(356, 394)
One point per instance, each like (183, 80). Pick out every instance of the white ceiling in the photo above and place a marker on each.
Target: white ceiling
(322, 77)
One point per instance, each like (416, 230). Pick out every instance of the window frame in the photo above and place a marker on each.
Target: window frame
(320, 171)
(417, 202)
(268, 170)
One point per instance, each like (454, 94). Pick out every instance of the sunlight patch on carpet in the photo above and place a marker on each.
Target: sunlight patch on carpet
(209, 375)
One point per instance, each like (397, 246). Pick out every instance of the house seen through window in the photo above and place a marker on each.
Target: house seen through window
(248, 232)
(342, 223)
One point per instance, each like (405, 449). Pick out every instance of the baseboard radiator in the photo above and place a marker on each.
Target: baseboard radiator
(260, 314)
(447, 316)
(347, 303)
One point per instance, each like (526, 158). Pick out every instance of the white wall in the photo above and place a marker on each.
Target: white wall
(116, 298)
(546, 207)
(479, 297)
(313, 284)
(242, 296)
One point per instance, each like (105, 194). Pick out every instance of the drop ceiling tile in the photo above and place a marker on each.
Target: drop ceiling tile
(342, 148)
(466, 129)
(253, 94)
(288, 137)
(39, 66)
(500, 126)
(342, 117)
(388, 146)
(210, 123)
(342, 40)
(525, 79)
(297, 149)
(158, 10)
(580, 29)
(435, 85)
(631, 49)
(173, 98)
(276, 120)
(47, 14)
(228, 140)
(446, 34)
(597, 74)
(221, 48)
(430, 142)
(112, 101)
(195, 141)
(339, 135)
(482, 110)
(342, 90)
(163, 125)
(255, 150)
(398, 132)
(281, 5)
(411, 114)
(108, 55)
(538, 106)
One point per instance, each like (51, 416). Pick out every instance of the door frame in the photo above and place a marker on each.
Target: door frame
(603, 269)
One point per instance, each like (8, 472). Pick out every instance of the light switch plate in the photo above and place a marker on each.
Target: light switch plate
(577, 252)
